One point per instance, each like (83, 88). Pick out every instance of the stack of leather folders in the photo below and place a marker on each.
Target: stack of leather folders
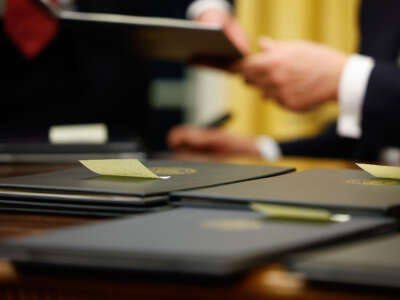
(79, 191)
(229, 234)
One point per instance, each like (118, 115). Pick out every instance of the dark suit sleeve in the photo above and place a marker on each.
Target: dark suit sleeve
(381, 110)
(327, 144)
(380, 39)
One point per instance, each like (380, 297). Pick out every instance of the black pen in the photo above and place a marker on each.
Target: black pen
(219, 121)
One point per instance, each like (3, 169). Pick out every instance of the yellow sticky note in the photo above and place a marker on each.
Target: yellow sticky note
(292, 212)
(381, 171)
(119, 167)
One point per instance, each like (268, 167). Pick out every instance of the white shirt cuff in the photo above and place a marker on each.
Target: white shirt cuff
(268, 148)
(352, 88)
(199, 6)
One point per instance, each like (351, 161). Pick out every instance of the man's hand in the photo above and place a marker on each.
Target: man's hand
(218, 141)
(230, 25)
(299, 75)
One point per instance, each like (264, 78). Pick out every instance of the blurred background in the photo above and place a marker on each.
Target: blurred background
(155, 96)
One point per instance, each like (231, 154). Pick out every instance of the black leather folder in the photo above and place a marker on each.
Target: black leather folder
(371, 263)
(158, 38)
(184, 241)
(82, 190)
(340, 190)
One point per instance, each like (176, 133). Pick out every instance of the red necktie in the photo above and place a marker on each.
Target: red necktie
(29, 26)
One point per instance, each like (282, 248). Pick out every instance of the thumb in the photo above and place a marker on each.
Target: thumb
(266, 43)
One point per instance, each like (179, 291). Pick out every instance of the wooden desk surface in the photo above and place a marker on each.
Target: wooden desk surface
(271, 282)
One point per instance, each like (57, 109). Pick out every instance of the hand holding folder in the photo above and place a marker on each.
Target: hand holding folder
(232, 29)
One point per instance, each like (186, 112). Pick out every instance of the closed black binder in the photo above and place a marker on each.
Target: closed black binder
(340, 190)
(79, 189)
(371, 263)
(184, 241)
(159, 38)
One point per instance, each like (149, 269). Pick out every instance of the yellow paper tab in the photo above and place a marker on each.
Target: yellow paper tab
(119, 167)
(291, 212)
(381, 171)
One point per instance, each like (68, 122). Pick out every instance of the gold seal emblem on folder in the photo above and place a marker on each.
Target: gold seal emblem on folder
(233, 225)
(166, 171)
(374, 181)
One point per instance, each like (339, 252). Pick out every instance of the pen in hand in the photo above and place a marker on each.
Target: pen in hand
(219, 121)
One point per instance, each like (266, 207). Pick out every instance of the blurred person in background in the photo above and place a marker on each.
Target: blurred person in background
(301, 75)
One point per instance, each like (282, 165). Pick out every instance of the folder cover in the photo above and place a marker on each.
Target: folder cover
(159, 38)
(370, 263)
(83, 188)
(184, 241)
(341, 190)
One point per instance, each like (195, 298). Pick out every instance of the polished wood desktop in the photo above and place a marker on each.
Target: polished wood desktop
(270, 282)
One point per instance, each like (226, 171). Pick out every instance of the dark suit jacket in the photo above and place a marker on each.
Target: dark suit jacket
(380, 38)
(79, 78)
